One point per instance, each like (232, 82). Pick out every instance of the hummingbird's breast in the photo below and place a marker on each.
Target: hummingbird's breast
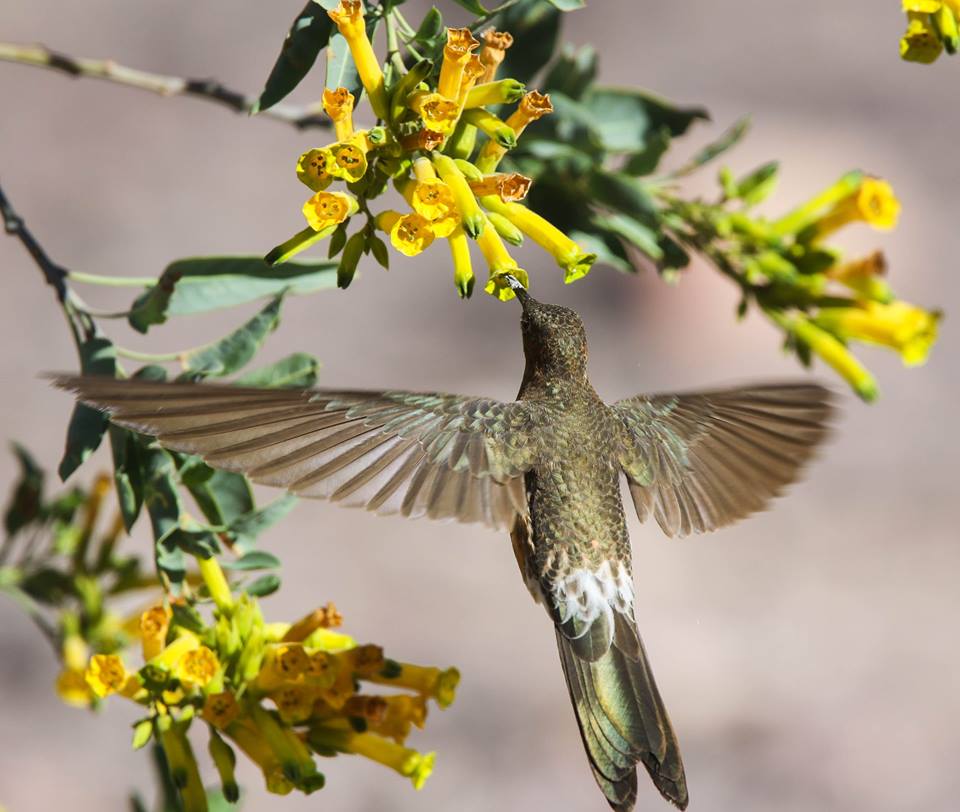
(577, 521)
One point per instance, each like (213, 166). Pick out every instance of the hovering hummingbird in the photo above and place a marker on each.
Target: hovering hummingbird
(546, 468)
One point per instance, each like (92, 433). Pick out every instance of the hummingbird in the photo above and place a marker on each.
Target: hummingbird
(546, 468)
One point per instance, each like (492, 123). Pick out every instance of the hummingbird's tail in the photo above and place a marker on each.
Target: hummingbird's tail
(622, 718)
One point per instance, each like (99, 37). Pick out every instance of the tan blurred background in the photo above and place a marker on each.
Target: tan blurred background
(809, 657)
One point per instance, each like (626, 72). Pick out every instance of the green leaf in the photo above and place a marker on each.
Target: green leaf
(627, 119)
(26, 502)
(338, 239)
(245, 529)
(341, 69)
(349, 259)
(297, 370)
(256, 560)
(535, 26)
(127, 473)
(607, 247)
(624, 194)
(263, 586)
(309, 33)
(151, 307)
(572, 72)
(229, 354)
(162, 501)
(187, 617)
(728, 140)
(473, 6)
(213, 283)
(647, 160)
(222, 496)
(379, 250)
(633, 231)
(431, 27)
(756, 186)
(568, 5)
(87, 426)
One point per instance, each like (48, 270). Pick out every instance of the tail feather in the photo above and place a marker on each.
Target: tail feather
(622, 719)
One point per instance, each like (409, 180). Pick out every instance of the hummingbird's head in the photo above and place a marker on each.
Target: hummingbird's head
(554, 340)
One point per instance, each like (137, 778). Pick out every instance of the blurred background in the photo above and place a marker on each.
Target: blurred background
(809, 656)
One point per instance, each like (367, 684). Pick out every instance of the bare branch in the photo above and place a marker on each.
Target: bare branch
(41, 57)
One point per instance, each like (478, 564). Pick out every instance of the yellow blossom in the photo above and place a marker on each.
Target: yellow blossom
(533, 106)
(327, 209)
(73, 689)
(216, 581)
(921, 42)
(106, 674)
(500, 263)
(323, 617)
(183, 765)
(321, 670)
(197, 668)
(471, 215)
(832, 351)
(348, 159)
(220, 709)
(294, 702)
(294, 757)
(575, 262)
(505, 91)
(175, 651)
(249, 739)
(409, 233)
(864, 277)
(439, 114)
(508, 187)
(348, 17)
(312, 169)
(873, 202)
(401, 712)
(225, 760)
(456, 54)
(472, 72)
(415, 766)
(153, 626)
(909, 330)
(463, 277)
(499, 132)
(495, 45)
(338, 104)
(423, 140)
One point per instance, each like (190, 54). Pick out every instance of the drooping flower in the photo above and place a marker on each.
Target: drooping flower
(832, 351)
(909, 330)
(439, 113)
(864, 276)
(348, 17)
(220, 709)
(533, 106)
(338, 104)
(508, 187)
(153, 625)
(409, 233)
(456, 54)
(197, 668)
(106, 674)
(505, 91)
(327, 209)
(471, 216)
(495, 45)
(312, 169)
(873, 202)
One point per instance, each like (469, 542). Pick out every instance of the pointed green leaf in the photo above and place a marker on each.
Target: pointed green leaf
(431, 27)
(26, 502)
(245, 529)
(473, 6)
(87, 426)
(568, 5)
(572, 72)
(757, 185)
(229, 354)
(127, 473)
(213, 283)
(714, 149)
(627, 119)
(298, 370)
(624, 194)
(633, 231)
(263, 586)
(162, 501)
(151, 307)
(535, 26)
(647, 160)
(308, 35)
(341, 69)
(607, 247)
(256, 560)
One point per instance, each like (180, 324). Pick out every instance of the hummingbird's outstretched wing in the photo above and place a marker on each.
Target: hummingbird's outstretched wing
(417, 454)
(703, 460)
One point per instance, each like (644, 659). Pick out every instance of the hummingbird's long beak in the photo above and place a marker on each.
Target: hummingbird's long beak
(518, 289)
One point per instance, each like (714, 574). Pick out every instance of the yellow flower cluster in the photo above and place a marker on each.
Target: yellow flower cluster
(427, 143)
(932, 27)
(282, 693)
(874, 315)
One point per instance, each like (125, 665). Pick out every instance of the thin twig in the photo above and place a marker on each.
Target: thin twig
(14, 225)
(41, 57)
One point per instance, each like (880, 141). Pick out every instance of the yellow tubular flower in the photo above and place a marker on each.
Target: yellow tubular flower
(183, 767)
(533, 106)
(248, 739)
(197, 668)
(873, 203)
(921, 41)
(348, 17)
(430, 198)
(326, 209)
(438, 112)
(72, 688)
(499, 263)
(909, 330)
(472, 71)
(372, 708)
(499, 132)
(293, 755)
(220, 709)
(153, 626)
(422, 141)
(216, 583)
(456, 54)
(832, 352)
(312, 169)
(225, 760)
(401, 712)
(509, 188)
(863, 277)
(327, 640)
(105, 674)
(410, 233)
(415, 766)
(348, 159)
(338, 104)
(323, 617)
(440, 684)
(294, 702)
(172, 653)
(506, 91)
(495, 45)
(470, 213)
(463, 276)
(576, 262)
